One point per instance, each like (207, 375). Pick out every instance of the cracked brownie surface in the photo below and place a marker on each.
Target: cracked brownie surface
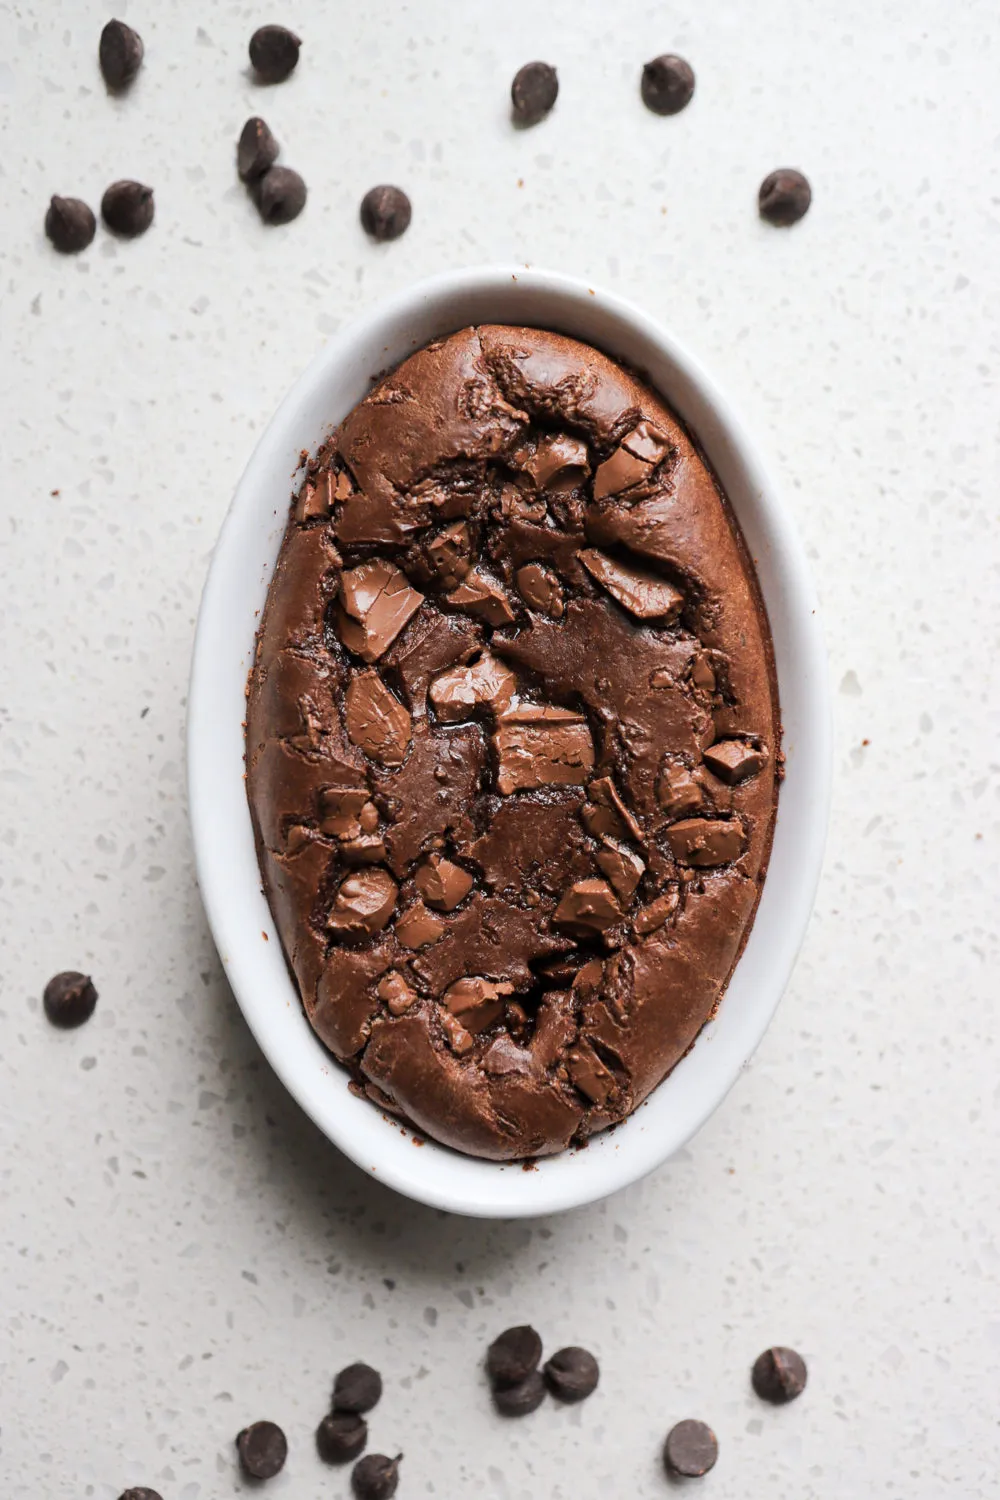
(512, 742)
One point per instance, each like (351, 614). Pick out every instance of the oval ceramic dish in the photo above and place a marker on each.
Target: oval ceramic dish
(223, 836)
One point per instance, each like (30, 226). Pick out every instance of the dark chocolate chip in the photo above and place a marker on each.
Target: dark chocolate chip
(341, 1436)
(533, 92)
(375, 1477)
(784, 197)
(119, 54)
(358, 1388)
(779, 1375)
(274, 51)
(262, 1448)
(513, 1355)
(667, 84)
(385, 212)
(140, 1492)
(281, 195)
(257, 149)
(127, 208)
(572, 1374)
(690, 1449)
(518, 1400)
(69, 999)
(69, 224)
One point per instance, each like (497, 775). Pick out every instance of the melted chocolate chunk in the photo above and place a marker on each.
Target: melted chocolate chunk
(514, 726)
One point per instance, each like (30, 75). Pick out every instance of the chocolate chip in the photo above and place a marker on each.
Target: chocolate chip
(341, 1436)
(140, 1492)
(262, 1448)
(357, 1388)
(784, 197)
(119, 54)
(533, 92)
(518, 1400)
(69, 224)
(690, 1449)
(280, 195)
(375, 1477)
(127, 208)
(385, 212)
(667, 84)
(257, 150)
(779, 1375)
(69, 999)
(274, 51)
(572, 1374)
(513, 1355)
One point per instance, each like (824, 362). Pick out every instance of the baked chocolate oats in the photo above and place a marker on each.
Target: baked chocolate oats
(512, 742)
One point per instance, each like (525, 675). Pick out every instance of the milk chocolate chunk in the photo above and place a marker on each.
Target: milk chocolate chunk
(620, 472)
(476, 1002)
(486, 683)
(397, 994)
(589, 1074)
(316, 498)
(364, 903)
(481, 597)
(542, 745)
(623, 868)
(376, 720)
(639, 590)
(442, 883)
(480, 737)
(734, 761)
(376, 600)
(656, 915)
(647, 442)
(447, 555)
(605, 814)
(556, 462)
(705, 842)
(588, 906)
(540, 588)
(416, 926)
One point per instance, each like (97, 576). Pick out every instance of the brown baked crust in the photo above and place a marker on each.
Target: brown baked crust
(512, 742)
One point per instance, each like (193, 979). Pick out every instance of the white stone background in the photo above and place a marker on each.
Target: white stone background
(180, 1250)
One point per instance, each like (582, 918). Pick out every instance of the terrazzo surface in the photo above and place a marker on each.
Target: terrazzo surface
(180, 1251)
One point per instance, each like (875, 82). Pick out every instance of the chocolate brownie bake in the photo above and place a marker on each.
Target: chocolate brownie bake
(512, 742)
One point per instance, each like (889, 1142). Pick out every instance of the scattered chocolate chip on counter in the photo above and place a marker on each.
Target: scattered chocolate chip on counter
(280, 195)
(341, 1436)
(779, 1375)
(572, 1374)
(262, 1449)
(784, 197)
(257, 149)
(119, 53)
(376, 1477)
(69, 999)
(385, 212)
(533, 92)
(274, 52)
(513, 1355)
(521, 1399)
(127, 208)
(140, 1492)
(690, 1450)
(357, 1388)
(667, 84)
(69, 224)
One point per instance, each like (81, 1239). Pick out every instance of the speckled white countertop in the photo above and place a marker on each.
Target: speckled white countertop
(180, 1251)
